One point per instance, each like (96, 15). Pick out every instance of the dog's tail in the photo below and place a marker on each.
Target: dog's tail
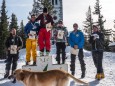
(77, 80)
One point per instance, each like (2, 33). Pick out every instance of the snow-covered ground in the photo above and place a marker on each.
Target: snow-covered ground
(108, 64)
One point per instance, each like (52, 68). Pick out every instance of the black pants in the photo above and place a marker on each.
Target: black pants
(60, 48)
(82, 63)
(12, 59)
(97, 58)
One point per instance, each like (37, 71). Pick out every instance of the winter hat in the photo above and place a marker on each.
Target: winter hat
(33, 15)
(45, 10)
(94, 26)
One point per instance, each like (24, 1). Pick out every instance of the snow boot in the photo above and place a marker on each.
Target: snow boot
(41, 54)
(27, 63)
(58, 62)
(47, 53)
(73, 72)
(63, 62)
(102, 75)
(11, 76)
(34, 63)
(14, 81)
(83, 75)
(7, 74)
(98, 76)
(56, 58)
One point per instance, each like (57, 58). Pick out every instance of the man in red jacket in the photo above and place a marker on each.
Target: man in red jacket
(44, 35)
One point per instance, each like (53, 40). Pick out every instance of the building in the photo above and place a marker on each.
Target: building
(58, 9)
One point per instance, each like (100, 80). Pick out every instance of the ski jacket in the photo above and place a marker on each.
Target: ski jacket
(56, 32)
(14, 41)
(43, 18)
(76, 38)
(31, 26)
(98, 43)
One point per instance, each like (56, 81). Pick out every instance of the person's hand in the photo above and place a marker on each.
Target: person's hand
(18, 48)
(9, 48)
(35, 35)
(66, 44)
(75, 47)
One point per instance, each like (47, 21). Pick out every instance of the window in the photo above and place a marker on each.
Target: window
(56, 2)
(52, 2)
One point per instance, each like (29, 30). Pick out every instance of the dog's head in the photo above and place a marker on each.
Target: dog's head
(19, 74)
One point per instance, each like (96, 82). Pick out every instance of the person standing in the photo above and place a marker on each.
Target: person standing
(13, 44)
(60, 35)
(97, 42)
(76, 41)
(44, 35)
(31, 31)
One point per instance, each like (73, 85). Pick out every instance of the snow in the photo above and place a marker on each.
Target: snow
(108, 65)
(111, 44)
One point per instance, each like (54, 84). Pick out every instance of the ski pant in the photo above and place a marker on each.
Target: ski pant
(12, 59)
(97, 58)
(60, 46)
(44, 40)
(31, 48)
(82, 63)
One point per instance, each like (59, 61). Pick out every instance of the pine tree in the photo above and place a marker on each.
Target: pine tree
(100, 23)
(48, 5)
(89, 21)
(3, 30)
(88, 28)
(21, 33)
(39, 5)
(97, 11)
(13, 23)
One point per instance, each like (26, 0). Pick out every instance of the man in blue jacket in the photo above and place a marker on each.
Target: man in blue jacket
(76, 41)
(31, 31)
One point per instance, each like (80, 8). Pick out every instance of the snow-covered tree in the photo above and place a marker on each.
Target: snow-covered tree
(89, 21)
(97, 11)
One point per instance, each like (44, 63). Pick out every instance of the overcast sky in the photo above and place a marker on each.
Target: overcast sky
(73, 10)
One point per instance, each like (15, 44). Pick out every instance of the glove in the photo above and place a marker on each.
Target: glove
(66, 44)
(96, 36)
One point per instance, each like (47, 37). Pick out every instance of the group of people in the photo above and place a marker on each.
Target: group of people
(37, 34)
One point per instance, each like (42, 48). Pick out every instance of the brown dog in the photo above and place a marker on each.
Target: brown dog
(48, 78)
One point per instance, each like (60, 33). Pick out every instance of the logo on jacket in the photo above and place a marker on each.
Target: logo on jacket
(77, 35)
(34, 27)
(12, 40)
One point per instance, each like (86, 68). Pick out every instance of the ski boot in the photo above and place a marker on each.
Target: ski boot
(102, 75)
(27, 62)
(83, 75)
(11, 76)
(47, 53)
(7, 74)
(73, 73)
(41, 54)
(98, 76)
(34, 63)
